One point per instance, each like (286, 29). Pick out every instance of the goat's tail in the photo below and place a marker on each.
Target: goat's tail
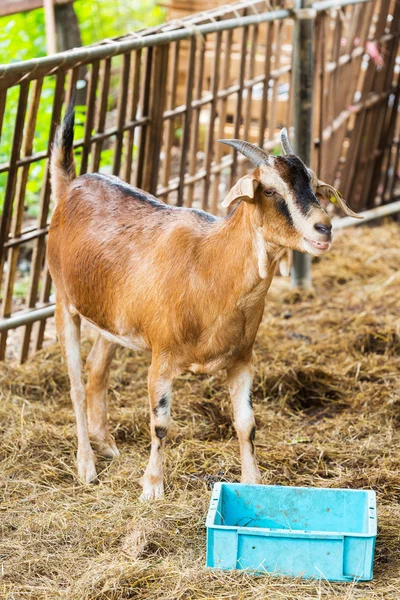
(62, 165)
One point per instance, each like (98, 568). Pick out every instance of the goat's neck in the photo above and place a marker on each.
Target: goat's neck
(243, 258)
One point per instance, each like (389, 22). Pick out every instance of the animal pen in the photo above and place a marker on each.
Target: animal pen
(325, 393)
(158, 100)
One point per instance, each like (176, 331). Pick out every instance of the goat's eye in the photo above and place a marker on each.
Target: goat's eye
(269, 192)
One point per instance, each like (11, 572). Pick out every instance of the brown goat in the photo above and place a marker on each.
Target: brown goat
(181, 282)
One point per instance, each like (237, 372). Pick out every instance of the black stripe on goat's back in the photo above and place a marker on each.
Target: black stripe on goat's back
(149, 199)
(129, 190)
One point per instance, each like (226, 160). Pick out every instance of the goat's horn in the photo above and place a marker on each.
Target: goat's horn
(256, 155)
(286, 145)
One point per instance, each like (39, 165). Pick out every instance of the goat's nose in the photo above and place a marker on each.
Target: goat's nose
(321, 228)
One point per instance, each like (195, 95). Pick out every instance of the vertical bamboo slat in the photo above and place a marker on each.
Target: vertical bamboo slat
(239, 100)
(171, 102)
(144, 103)
(274, 99)
(121, 113)
(213, 112)
(132, 112)
(155, 129)
(222, 110)
(249, 98)
(90, 114)
(267, 70)
(186, 121)
(195, 120)
(3, 98)
(101, 114)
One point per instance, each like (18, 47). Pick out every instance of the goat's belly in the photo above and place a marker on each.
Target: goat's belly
(132, 341)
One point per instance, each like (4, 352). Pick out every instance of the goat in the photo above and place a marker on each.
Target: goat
(181, 282)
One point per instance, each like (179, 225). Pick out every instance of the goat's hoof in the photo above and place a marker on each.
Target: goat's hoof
(86, 468)
(106, 448)
(152, 491)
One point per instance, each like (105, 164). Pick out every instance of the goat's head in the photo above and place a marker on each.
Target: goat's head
(286, 193)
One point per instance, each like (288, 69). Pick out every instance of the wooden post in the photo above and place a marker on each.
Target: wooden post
(68, 36)
(51, 42)
(303, 95)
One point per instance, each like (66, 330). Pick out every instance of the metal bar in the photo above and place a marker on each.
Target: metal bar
(27, 317)
(327, 4)
(368, 215)
(303, 35)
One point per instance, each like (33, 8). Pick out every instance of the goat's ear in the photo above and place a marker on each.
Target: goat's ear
(333, 195)
(244, 189)
(314, 180)
(285, 263)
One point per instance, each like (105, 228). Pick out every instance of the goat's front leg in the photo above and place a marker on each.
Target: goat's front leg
(240, 378)
(68, 331)
(160, 386)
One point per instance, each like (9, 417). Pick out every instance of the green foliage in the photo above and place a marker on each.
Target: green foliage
(23, 36)
(99, 19)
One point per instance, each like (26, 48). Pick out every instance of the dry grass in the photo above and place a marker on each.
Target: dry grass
(327, 406)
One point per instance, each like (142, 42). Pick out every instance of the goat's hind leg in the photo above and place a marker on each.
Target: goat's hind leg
(98, 366)
(160, 386)
(68, 330)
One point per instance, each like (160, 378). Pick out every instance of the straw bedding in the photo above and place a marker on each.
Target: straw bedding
(327, 405)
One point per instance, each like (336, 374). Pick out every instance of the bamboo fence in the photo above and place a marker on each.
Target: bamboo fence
(158, 100)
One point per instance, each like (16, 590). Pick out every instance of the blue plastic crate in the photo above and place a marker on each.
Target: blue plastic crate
(307, 532)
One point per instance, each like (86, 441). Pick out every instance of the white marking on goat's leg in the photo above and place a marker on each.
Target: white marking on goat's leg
(160, 416)
(240, 378)
(98, 366)
(68, 330)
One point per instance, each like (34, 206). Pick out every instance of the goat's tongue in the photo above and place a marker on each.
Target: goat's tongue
(322, 245)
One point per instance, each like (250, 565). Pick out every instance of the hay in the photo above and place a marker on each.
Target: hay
(327, 404)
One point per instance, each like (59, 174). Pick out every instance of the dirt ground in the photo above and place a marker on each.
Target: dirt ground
(327, 404)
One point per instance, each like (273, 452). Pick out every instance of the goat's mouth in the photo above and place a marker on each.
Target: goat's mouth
(318, 245)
